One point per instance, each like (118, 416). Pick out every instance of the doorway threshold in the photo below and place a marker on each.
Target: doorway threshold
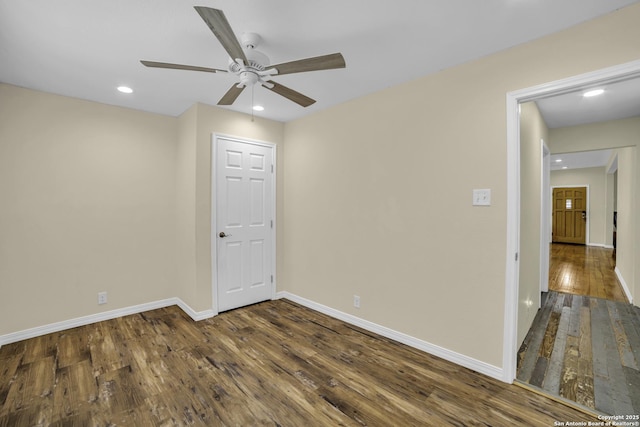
(559, 399)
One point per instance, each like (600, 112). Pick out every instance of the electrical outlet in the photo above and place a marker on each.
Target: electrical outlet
(102, 297)
(356, 301)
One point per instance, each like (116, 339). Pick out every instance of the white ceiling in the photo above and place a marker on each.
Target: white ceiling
(584, 159)
(620, 100)
(85, 48)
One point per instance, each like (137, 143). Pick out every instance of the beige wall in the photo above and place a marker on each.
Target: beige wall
(88, 204)
(628, 213)
(595, 136)
(185, 204)
(101, 198)
(378, 191)
(614, 134)
(595, 179)
(195, 174)
(532, 130)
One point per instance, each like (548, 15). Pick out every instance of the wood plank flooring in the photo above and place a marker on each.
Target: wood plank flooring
(274, 363)
(586, 350)
(584, 270)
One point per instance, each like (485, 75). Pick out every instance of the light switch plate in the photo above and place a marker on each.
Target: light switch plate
(482, 197)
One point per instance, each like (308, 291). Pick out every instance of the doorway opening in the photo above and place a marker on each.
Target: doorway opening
(514, 307)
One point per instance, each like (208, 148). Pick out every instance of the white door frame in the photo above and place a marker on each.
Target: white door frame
(214, 204)
(607, 75)
(545, 218)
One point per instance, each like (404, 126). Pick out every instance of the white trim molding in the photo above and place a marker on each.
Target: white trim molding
(545, 217)
(195, 315)
(625, 287)
(449, 355)
(600, 245)
(102, 316)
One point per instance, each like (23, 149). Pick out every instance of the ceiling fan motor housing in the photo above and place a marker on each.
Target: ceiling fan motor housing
(248, 78)
(249, 72)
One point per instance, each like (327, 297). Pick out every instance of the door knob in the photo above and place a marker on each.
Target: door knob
(222, 234)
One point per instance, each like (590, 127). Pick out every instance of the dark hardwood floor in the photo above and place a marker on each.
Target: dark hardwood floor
(584, 270)
(274, 363)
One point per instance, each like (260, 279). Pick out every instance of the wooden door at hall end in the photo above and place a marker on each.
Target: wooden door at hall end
(244, 222)
(569, 215)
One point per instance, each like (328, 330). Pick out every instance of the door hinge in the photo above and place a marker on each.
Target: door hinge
(271, 168)
(272, 278)
(516, 256)
(271, 223)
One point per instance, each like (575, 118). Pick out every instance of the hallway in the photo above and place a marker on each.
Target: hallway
(584, 270)
(584, 344)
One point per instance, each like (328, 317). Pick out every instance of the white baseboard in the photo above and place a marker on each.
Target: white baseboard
(625, 287)
(99, 317)
(600, 245)
(451, 356)
(195, 315)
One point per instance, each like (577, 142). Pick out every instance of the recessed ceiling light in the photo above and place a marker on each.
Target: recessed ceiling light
(594, 92)
(558, 160)
(258, 108)
(125, 89)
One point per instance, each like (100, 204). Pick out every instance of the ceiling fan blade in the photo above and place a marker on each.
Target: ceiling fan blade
(324, 62)
(231, 95)
(290, 94)
(218, 23)
(180, 67)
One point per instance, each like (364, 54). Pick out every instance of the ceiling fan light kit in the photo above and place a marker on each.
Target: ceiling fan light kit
(250, 65)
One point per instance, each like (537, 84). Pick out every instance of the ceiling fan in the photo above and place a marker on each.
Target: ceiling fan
(250, 65)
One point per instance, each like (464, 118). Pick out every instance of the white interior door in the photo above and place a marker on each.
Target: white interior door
(244, 222)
